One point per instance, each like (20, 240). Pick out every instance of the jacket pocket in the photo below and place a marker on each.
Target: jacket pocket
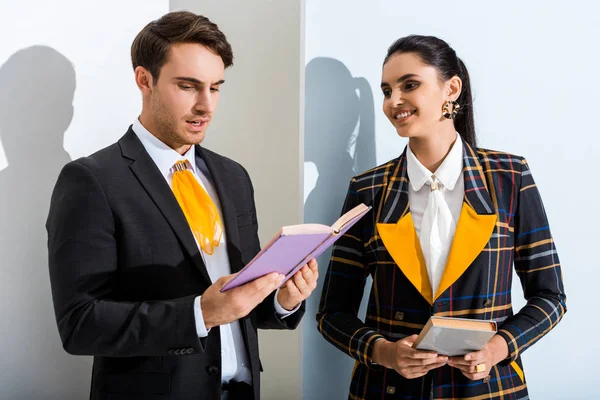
(147, 383)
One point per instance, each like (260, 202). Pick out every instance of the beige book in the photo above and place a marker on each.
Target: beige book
(455, 336)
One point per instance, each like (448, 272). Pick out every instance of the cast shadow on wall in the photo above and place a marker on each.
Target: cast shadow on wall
(37, 86)
(340, 141)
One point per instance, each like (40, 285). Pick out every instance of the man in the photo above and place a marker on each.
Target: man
(143, 234)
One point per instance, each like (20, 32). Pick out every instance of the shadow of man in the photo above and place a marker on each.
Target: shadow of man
(37, 86)
(340, 141)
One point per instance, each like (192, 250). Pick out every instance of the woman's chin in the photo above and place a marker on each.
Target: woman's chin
(404, 133)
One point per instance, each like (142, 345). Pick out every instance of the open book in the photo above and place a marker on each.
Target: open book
(295, 245)
(450, 336)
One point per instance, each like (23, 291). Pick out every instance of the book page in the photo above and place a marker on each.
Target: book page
(462, 323)
(304, 229)
(356, 212)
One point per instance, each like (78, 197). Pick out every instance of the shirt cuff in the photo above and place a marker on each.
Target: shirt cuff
(282, 312)
(200, 326)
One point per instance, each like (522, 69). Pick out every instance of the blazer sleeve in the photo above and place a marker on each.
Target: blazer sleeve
(337, 318)
(537, 265)
(82, 255)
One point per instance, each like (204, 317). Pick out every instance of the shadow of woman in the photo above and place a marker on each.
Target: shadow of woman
(340, 141)
(37, 86)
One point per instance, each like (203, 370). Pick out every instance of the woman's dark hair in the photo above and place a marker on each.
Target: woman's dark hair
(438, 54)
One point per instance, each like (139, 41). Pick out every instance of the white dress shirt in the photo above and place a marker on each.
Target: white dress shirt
(234, 357)
(449, 175)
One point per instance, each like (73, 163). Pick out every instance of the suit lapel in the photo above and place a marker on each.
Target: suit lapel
(146, 171)
(395, 198)
(221, 181)
(474, 228)
(475, 225)
(397, 230)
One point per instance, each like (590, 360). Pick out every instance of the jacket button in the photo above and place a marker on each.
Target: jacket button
(171, 352)
(486, 379)
(390, 390)
(189, 350)
(213, 370)
(177, 352)
(399, 316)
(487, 303)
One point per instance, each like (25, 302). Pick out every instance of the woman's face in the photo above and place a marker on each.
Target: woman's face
(414, 95)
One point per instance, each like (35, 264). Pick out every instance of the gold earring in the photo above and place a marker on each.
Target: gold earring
(450, 109)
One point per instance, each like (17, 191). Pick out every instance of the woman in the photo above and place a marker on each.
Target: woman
(448, 220)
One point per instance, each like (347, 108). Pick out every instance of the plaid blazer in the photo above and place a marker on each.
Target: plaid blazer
(502, 222)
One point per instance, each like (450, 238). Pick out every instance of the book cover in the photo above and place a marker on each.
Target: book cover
(451, 337)
(295, 245)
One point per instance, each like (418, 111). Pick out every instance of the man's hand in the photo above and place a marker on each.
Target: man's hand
(477, 365)
(401, 357)
(299, 287)
(222, 308)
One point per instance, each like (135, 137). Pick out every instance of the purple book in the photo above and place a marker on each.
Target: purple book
(294, 246)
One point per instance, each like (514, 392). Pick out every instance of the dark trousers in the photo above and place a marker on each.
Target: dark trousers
(237, 391)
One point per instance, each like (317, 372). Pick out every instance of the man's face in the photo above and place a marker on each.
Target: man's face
(183, 99)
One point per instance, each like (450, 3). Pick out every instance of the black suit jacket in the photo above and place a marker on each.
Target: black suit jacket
(125, 270)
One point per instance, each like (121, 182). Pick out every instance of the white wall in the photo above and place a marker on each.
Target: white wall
(534, 71)
(73, 94)
(66, 90)
(258, 123)
(80, 87)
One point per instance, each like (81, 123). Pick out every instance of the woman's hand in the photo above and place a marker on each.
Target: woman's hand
(401, 357)
(477, 365)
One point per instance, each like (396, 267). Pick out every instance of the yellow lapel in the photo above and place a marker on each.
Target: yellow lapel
(473, 231)
(474, 228)
(397, 231)
(476, 222)
(401, 241)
